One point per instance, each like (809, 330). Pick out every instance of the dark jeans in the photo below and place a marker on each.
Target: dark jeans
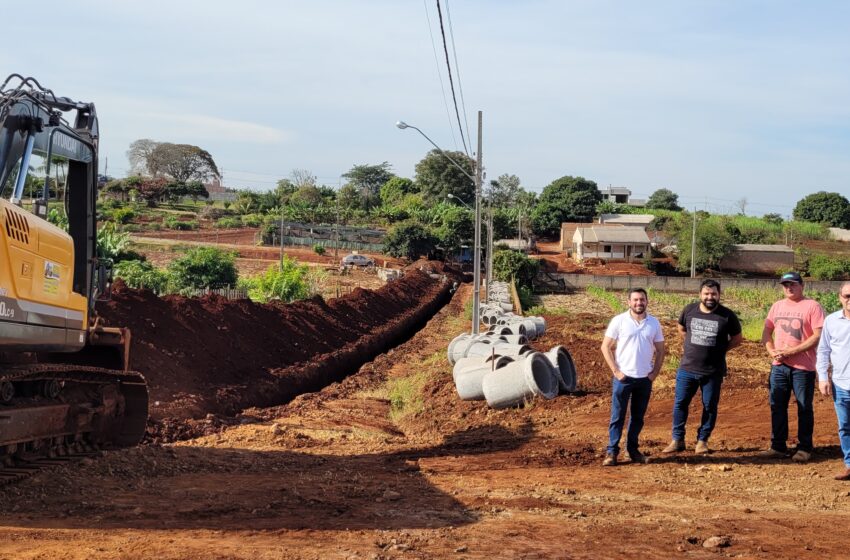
(637, 391)
(687, 384)
(783, 380)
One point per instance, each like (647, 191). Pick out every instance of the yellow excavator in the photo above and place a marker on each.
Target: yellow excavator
(65, 382)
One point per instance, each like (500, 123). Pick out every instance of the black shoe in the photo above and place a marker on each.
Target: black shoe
(638, 457)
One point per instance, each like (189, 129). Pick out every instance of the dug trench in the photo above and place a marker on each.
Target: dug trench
(207, 359)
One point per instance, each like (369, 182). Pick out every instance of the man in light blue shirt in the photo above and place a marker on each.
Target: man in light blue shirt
(834, 348)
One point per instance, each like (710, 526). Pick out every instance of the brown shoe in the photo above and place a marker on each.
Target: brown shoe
(801, 456)
(771, 453)
(610, 460)
(843, 475)
(675, 446)
(638, 458)
(702, 448)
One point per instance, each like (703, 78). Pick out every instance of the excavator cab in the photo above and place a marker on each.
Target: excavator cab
(52, 348)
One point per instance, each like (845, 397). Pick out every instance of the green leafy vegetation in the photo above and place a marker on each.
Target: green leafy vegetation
(615, 302)
(288, 282)
(203, 267)
(141, 274)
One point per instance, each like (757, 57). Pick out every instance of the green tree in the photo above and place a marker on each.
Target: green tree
(368, 180)
(824, 207)
(714, 240)
(181, 162)
(454, 226)
(437, 176)
(411, 240)
(568, 199)
(395, 189)
(663, 199)
(203, 267)
(504, 191)
(511, 265)
(773, 218)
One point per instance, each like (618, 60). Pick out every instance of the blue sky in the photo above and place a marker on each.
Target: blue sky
(714, 100)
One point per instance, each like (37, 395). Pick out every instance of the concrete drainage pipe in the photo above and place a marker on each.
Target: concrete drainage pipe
(469, 375)
(564, 368)
(520, 381)
(499, 349)
(460, 345)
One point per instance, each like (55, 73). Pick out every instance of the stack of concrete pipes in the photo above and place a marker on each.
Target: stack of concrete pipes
(498, 366)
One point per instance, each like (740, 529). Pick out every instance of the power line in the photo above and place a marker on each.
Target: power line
(457, 69)
(439, 73)
(451, 82)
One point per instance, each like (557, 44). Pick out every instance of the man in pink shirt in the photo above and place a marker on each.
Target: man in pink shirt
(791, 333)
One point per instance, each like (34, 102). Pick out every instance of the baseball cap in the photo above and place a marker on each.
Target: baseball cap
(790, 277)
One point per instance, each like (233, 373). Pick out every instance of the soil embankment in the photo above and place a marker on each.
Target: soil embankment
(207, 357)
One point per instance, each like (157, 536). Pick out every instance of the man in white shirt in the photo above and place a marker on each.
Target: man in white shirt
(635, 364)
(834, 348)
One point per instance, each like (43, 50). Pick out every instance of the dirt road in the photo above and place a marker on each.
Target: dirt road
(390, 464)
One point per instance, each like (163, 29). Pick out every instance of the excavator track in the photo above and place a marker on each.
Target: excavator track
(53, 413)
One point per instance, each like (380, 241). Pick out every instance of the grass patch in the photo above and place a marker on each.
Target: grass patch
(405, 393)
(752, 327)
(613, 301)
(541, 310)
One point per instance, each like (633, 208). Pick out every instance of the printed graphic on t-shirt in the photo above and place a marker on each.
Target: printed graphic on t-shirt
(792, 326)
(703, 332)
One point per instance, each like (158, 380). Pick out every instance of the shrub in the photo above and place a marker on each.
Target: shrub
(252, 220)
(174, 223)
(823, 267)
(111, 242)
(122, 215)
(203, 267)
(140, 274)
(319, 249)
(229, 223)
(513, 265)
(409, 240)
(287, 282)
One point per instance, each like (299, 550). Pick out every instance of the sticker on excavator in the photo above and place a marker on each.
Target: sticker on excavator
(9, 310)
(51, 277)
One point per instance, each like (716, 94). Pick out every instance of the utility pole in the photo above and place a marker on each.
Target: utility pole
(489, 251)
(694, 246)
(281, 239)
(476, 294)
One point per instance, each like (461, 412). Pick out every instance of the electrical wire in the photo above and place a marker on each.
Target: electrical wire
(439, 73)
(457, 70)
(451, 81)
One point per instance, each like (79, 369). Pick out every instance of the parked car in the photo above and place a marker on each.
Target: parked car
(357, 260)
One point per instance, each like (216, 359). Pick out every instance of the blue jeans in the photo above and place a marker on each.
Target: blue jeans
(841, 398)
(637, 391)
(783, 380)
(687, 384)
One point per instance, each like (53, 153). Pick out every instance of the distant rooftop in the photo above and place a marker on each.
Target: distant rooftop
(610, 234)
(634, 219)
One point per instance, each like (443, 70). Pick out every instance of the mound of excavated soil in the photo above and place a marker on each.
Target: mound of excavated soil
(213, 356)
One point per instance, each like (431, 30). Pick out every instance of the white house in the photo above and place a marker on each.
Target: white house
(610, 243)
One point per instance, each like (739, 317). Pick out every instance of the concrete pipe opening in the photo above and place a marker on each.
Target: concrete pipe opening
(564, 369)
(520, 381)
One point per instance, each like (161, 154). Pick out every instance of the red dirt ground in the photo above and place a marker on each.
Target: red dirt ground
(388, 463)
(556, 261)
(211, 356)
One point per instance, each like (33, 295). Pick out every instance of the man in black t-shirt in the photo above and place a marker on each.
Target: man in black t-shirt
(710, 330)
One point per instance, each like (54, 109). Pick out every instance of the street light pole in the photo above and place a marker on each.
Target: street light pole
(476, 275)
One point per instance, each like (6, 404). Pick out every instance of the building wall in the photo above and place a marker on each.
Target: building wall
(616, 251)
(761, 262)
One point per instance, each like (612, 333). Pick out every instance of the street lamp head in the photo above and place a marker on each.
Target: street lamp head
(450, 195)
(402, 125)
